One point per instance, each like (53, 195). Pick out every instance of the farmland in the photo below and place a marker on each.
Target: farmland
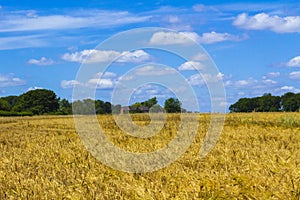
(256, 157)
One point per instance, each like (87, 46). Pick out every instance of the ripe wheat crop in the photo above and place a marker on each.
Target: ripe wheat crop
(256, 157)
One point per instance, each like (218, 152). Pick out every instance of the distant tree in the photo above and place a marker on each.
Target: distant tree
(102, 107)
(65, 107)
(116, 109)
(150, 102)
(156, 108)
(84, 107)
(245, 105)
(107, 107)
(4, 105)
(136, 107)
(172, 105)
(269, 103)
(38, 102)
(290, 102)
(99, 105)
(12, 100)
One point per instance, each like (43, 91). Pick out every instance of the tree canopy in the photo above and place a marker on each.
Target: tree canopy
(289, 102)
(38, 102)
(172, 105)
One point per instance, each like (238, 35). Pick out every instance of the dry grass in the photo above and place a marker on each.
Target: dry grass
(257, 157)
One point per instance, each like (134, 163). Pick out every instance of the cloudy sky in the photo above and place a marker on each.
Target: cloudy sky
(255, 45)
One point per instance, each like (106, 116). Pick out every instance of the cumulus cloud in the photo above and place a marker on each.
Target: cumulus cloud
(289, 89)
(294, 62)
(213, 37)
(273, 74)
(42, 62)
(154, 71)
(69, 84)
(200, 57)
(191, 65)
(34, 88)
(170, 38)
(263, 21)
(295, 75)
(188, 38)
(103, 83)
(10, 81)
(102, 56)
(202, 79)
(100, 80)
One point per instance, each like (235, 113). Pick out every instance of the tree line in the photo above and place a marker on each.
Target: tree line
(289, 102)
(43, 101)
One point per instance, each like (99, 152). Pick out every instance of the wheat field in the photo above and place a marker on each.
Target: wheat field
(257, 157)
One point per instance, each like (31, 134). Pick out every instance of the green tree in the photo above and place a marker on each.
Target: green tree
(156, 108)
(4, 105)
(269, 103)
(172, 105)
(150, 102)
(12, 100)
(116, 109)
(84, 107)
(107, 107)
(290, 102)
(38, 102)
(245, 105)
(65, 107)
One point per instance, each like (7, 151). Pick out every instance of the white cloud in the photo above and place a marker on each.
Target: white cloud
(17, 42)
(199, 8)
(173, 19)
(10, 81)
(200, 57)
(273, 74)
(269, 81)
(34, 88)
(188, 38)
(202, 79)
(26, 21)
(294, 62)
(101, 56)
(290, 89)
(263, 21)
(105, 75)
(295, 75)
(103, 83)
(69, 84)
(43, 61)
(105, 80)
(171, 38)
(213, 37)
(154, 71)
(191, 65)
(135, 56)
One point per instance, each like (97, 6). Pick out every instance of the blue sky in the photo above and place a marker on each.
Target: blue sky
(254, 44)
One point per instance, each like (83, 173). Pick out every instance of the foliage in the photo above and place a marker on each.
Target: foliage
(12, 100)
(156, 108)
(38, 102)
(65, 107)
(140, 107)
(289, 102)
(172, 105)
(11, 113)
(116, 109)
(4, 105)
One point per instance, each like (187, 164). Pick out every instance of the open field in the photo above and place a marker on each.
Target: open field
(256, 157)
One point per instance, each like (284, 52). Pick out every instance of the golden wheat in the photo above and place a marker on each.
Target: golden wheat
(256, 157)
